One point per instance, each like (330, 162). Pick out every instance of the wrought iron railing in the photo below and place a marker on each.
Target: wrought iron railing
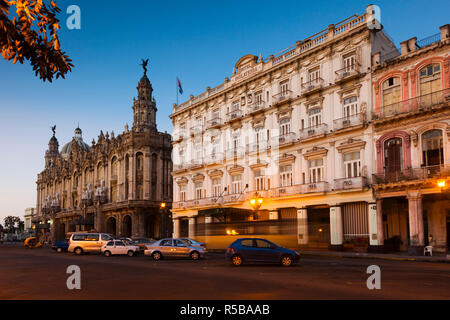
(313, 131)
(347, 122)
(350, 183)
(282, 96)
(422, 173)
(348, 71)
(312, 85)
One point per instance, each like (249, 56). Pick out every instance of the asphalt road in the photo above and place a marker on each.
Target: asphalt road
(41, 274)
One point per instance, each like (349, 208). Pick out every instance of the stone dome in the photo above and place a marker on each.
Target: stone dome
(66, 150)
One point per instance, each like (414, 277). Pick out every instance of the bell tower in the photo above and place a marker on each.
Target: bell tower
(52, 153)
(144, 107)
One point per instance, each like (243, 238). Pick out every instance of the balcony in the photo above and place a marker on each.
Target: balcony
(194, 163)
(348, 122)
(235, 153)
(314, 131)
(350, 183)
(282, 96)
(312, 85)
(258, 147)
(215, 122)
(234, 197)
(284, 139)
(234, 115)
(313, 187)
(200, 202)
(284, 191)
(347, 72)
(257, 106)
(411, 174)
(215, 157)
(434, 100)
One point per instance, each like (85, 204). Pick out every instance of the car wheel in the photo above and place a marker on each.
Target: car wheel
(156, 256)
(286, 261)
(78, 251)
(236, 260)
(195, 255)
(59, 250)
(107, 253)
(130, 253)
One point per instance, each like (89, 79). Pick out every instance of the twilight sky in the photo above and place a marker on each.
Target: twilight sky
(198, 41)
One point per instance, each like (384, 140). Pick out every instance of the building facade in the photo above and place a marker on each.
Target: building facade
(284, 147)
(411, 123)
(116, 185)
(28, 216)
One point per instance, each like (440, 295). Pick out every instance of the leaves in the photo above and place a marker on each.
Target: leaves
(32, 35)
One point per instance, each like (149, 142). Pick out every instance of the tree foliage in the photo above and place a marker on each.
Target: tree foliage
(10, 223)
(32, 35)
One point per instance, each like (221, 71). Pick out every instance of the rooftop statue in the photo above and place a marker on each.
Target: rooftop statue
(144, 65)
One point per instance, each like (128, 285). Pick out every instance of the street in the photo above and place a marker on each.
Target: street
(41, 274)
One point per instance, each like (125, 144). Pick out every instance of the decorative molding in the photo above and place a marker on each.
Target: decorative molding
(351, 145)
(315, 153)
(286, 159)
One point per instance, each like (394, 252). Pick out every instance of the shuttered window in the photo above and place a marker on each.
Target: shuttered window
(355, 220)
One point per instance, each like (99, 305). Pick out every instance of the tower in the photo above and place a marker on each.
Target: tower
(144, 107)
(52, 153)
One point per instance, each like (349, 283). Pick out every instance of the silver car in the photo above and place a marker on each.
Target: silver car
(174, 248)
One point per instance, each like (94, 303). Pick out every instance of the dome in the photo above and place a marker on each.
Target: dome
(66, 150)
(144, 81)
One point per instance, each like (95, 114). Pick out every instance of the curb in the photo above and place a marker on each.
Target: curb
(311, 254)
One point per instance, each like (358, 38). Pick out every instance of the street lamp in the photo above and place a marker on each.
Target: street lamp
(162, 205)
(441, 183)
(256, 202)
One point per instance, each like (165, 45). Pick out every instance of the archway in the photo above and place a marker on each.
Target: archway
(126, 226)
(111, 226)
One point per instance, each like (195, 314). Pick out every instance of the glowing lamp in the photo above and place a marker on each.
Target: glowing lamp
(441, 183)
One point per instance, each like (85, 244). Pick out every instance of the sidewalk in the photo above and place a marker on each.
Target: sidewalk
(384, 256)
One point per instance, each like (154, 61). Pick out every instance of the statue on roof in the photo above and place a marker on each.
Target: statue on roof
(144, 65)
(54, 129)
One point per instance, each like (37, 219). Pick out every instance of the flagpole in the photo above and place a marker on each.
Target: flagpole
(176, 88)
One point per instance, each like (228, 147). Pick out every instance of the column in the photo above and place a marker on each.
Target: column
(98, 219)
(176, 228)
(376, 237)
(191, 227)
(336, 229)
(132, 177)
(302, 226)
(416, 234)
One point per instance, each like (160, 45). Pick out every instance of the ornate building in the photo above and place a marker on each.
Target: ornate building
(116, 185)
(283, 149)
(412, 135)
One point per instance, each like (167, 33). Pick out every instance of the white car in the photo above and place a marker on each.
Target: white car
(119, 247)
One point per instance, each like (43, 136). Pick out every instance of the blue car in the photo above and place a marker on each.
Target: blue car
(61, 246)
(259, 250)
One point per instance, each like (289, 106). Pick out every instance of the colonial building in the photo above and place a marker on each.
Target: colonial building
(284, 148)
(116, 185)
(412, 131)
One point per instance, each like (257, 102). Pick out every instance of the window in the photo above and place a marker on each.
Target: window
(284, 87)
(183, 192)
(247, 243)
(235, 106)
(391, 91)
(198, 152)
(263, 244)
(166, 243)
(260, 180)
(91, 237)
(199, 191)
(350, 106)
(286, 176)
(316, 170)
(314, 76)
(430, 79)
(179, 243)
(236, 140)
(393, 156)
(110, 244)
(314, 116)
(259, 135)
(432, 148)
(349, 62)
(106, 237)
(285, 126)
(237, 183)
(217, 186)
(120, 243)
(352, 164)
(259, 99)
(215, 114)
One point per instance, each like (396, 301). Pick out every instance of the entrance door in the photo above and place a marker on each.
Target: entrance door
(393, 157)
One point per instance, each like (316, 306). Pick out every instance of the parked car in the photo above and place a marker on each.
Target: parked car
(174, 248)
(142, 243)
(61, 245)
(193, 242)
(80, 243)
(119, 247)
(259, 250)
(127, 240)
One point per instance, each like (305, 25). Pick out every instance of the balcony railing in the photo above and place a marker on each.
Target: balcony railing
(347, 122)
(234, 114)
(235, 153)
(214, 157)
(282, 96)
(234, 197)
(214, 122)
(410, 174)
(321, 186)
(256, 106)
(260, 146)
(350, 183)
(312, 85)
(421, 103)
(284, 191)
(313, 131)
(347, 71)
(284, 139)
(197, 129)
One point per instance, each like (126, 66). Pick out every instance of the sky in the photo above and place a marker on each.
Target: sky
(198, 41)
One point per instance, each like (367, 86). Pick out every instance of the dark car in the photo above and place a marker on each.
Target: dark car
(259, 250)
(61, 246)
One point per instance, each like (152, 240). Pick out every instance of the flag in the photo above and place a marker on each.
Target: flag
(180, 89)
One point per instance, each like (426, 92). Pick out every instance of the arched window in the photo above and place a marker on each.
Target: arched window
(114, 186)
(139, 176)
(430, 79)
(99, 173)
(432, 148)
(391, 95)
(154, 175)
(127, 172)
(393, 156)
